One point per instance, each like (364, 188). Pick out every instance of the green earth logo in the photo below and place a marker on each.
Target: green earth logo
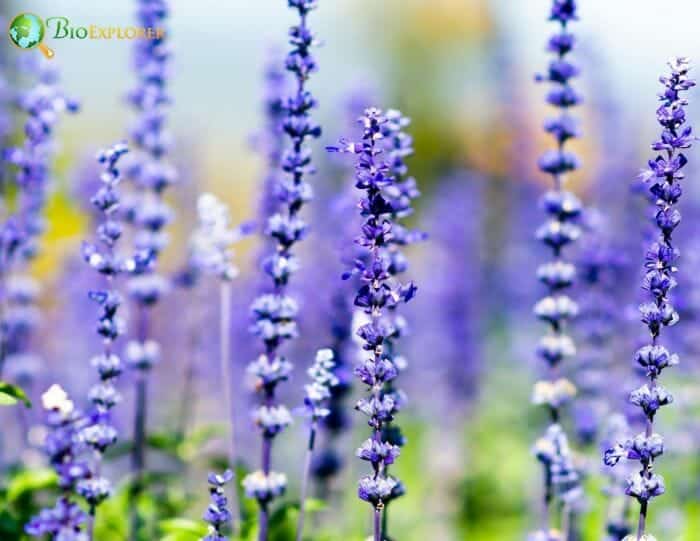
(27, 31)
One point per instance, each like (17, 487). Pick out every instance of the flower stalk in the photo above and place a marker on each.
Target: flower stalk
(275, 311)
(557, 309)
(663, 178)
(379, 296)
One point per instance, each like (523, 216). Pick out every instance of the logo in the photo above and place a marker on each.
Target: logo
(27, 32)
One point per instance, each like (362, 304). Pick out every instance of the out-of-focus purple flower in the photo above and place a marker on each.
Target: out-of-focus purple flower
(29, 172)
(601, 265)
(453, 334)
(663, 178)
(275, 312)
(270, 141)
(151, 174)
(557, 309)
(148, 168)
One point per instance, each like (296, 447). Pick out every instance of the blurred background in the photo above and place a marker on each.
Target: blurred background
(463, 70)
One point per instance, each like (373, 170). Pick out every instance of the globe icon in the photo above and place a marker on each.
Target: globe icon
(27, 31)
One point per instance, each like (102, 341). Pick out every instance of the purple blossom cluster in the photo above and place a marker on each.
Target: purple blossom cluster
(149, 169)
(64, 448)
(270, 141)
(328, 461)
(151, 174)
(364, 315)
(99, 432)
(217, 514)
(663, 179)
(600, 267)
(557, 309)
(275, 312)
(380, 174)
(78, 440)
(24, 223)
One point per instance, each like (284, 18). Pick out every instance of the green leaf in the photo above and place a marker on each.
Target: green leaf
(7, 400)
(198, 438)
(314, 505)
(11, 394)
(163, 441)
(29, 481)
(183, 525)
(182, 529)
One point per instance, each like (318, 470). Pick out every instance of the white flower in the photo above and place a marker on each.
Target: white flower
(55, 398)
(210, 243)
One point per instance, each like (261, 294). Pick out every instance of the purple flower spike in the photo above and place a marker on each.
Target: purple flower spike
(275, 311)
(217, 514)
(146, 211)
(662, 178)
(64, 446)
(556, 308)
(380, 172)
(26, 173)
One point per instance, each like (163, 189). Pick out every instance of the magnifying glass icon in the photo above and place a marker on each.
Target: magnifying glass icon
(26, 31)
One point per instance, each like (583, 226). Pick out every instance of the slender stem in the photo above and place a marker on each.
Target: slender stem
(378, 523)
(305, 481)
(138, 455)
(263, 522)
(91, 523)
(385, 519)
(264, 512)
(3, 314)
(641, 528)
(225, 359)
(193, 359)
(566, 523)
(547, 500)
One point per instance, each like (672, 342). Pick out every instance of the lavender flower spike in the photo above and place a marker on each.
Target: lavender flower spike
(217, 514)
(275, 312)
(151, 174)
(379, 296)
(561, 480)
(99, 433)
(66, 519)
(316, 406)
(24, 223)
(663, 177)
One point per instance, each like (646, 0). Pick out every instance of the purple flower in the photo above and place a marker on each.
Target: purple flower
(662, 178)
(150, 174)
(98, 432)
(62, 522)
(561, 229)
(64, 447)
(27, 174)
(380, 173)
(270, 142)
(564, 11)
(275, 312)
(217, 514)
